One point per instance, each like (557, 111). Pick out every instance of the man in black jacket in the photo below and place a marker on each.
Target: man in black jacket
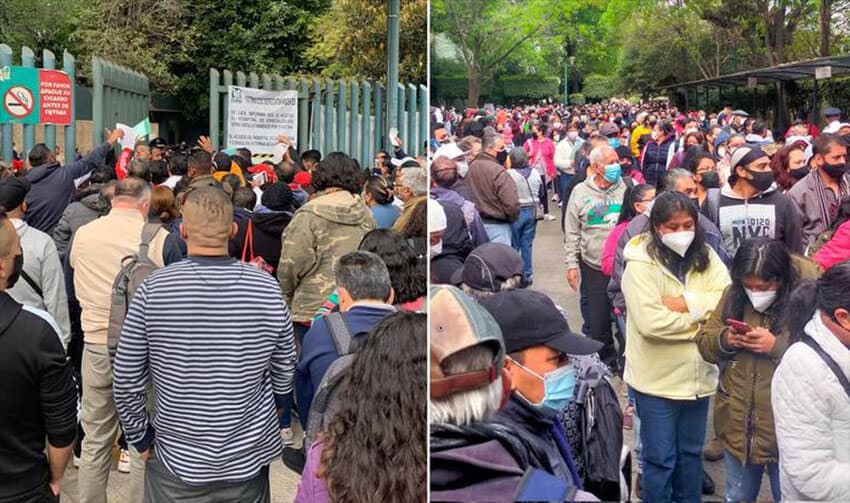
(39, 395)
(53, 184)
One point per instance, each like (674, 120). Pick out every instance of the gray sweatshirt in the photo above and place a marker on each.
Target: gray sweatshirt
(591, 214)
(41, 263)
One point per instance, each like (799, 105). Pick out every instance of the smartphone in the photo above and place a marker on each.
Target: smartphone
(739, 326)
(394, 137)
(260, 177)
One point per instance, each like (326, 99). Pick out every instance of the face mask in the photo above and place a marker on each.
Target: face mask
(835, 170)
(721, 152)
(800, 173)
(501, 157)
(654, 135)
(612, 173)
(761, 301)
(649, 206)
(558, 385)
(16, 270)
(614, 142)
(711, 180)
(437, 249)
(572, 135)
(762, 180)
(462, 168)
(556, 138)
(679, 242)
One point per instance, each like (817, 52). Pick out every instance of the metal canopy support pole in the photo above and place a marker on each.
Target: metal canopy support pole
(393, 10)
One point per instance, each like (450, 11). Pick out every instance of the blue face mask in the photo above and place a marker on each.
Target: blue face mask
(614, 142)
(613, 172)
(559, 386)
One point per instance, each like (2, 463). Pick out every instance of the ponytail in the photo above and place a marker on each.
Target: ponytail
(804, 300)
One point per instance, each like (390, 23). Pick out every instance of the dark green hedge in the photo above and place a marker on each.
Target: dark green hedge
(509, 87)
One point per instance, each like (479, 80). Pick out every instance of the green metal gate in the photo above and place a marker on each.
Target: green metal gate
(119, 95)
(346, 116)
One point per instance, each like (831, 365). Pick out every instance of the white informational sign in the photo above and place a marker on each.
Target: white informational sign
(752, 82)
(823, 72)
(255, 117)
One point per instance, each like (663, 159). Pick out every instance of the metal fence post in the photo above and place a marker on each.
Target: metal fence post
(380, 133)
(340, 118)
(414, 146)
(424, 112)
(48, 62)
(327, 144)
(69, 65)
(97, 101)
(240, 79)
(28, 60)
(316, 116)
(353, 120)
(366, 128)
(228, 81)
(393, 23)
(303, 116)
(401, 124)
(6, 60)
(254, 80)
(214, 108)
(267, 81)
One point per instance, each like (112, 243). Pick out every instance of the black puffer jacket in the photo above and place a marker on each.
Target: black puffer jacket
(268, 228)
(85, 208)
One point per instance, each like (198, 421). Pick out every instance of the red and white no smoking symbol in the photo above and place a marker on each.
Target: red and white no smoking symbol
(18, 101)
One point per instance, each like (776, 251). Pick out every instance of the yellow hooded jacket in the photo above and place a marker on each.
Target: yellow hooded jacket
(662, 358)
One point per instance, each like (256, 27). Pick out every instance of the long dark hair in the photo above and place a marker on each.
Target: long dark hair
(375, 447)
(632, 196)
(407, 272)
(696, 258)
(825, 294)
(768, 260)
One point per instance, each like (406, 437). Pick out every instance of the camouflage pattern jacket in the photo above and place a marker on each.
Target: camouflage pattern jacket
(321, 231)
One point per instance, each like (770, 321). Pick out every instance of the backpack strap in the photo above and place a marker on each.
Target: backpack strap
(340, 333)
(845, 383)
(148, 233)
(249, 243)
(712, 206)
(31, 282)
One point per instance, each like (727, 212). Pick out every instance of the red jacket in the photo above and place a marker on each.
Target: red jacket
(836, 249)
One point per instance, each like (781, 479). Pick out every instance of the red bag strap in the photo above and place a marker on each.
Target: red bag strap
(249, 242)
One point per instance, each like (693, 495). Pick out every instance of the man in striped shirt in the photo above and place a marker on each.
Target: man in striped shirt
(214, 364)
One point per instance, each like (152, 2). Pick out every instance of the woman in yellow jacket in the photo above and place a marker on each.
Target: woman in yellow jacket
(671, 284)
(763, 277)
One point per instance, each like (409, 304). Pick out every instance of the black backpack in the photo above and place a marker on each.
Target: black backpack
(602, 439)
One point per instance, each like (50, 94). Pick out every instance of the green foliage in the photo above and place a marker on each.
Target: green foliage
(507, 87)
(351, 40)
(528, 86)
(599, 87)
(577, 99)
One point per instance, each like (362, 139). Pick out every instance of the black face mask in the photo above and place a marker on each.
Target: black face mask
(762, 180)
(710, 180)
(16, 272)
(835, 170)
(799, 173)
(501, 157)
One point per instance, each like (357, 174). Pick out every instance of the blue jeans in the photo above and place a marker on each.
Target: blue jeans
(637, 448)
(287, 401)
(563, 181)
(522, 237)
(498, 233)
(743, 482)
(672, 435)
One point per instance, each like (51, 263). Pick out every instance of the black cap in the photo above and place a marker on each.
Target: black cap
(488, 266)
(529, 318)
(277, 197)
(157, 143)
(13, 191)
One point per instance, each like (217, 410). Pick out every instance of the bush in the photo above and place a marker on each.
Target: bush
(577, 99)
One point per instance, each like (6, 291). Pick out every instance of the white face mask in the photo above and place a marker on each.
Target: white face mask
(679, 242)
(462, 168)
(654, 135)
(437, 249)
(572, 135)
(761, 301)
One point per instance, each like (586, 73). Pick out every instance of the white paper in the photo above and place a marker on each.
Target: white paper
(255, 117)
(129, 140)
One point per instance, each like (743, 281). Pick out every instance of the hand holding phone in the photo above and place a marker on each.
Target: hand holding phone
(738, 326)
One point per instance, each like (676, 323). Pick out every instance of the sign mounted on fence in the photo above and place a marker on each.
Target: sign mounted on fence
(33, 96)
(823, 72)
(256, 116)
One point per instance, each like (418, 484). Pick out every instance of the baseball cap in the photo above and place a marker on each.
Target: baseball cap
(458, 323)
(609, 129)
(157, 143)
(488, 266)
(745, 154)
(401, 162)
(831, 112)
(740, 113)
(13, 191)
(450, 150)
(303, 178)
(529, 318)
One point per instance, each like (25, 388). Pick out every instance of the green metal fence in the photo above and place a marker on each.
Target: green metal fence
(119, 95)
(48, 60)
(346, 116)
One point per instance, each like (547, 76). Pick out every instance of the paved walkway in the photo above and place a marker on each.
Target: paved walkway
(550, 278)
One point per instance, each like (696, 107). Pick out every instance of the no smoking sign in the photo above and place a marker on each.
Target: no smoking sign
(18, 102)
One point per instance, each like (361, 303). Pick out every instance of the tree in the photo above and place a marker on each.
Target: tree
(39, 24)
(350, 40)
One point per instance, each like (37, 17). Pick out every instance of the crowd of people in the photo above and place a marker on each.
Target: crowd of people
(708, 253)
(183, 307)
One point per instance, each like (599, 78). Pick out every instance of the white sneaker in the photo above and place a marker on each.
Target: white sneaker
(286, 436)
(124, 461)
(548, 217)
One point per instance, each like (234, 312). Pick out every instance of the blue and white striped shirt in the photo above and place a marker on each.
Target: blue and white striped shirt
(215, 338)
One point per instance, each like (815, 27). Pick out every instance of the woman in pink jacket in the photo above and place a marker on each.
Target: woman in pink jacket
(636, 201)
(837, 249)
(541, 156)
(374, 448)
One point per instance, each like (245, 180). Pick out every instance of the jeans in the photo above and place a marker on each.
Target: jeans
(522, 237)
(287, 401)
(563, 181)
(161, 486)
(672, 435)
(637, 448)
(100, 421)
(498, 232)
(743, 482)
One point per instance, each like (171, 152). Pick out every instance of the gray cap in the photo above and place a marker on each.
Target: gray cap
(740, 113)
(831, 112)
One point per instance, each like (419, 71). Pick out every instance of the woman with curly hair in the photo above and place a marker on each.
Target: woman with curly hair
(358, 457)
(407, 271)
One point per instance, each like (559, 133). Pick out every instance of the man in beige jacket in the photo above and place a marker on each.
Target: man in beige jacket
(95, 259)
